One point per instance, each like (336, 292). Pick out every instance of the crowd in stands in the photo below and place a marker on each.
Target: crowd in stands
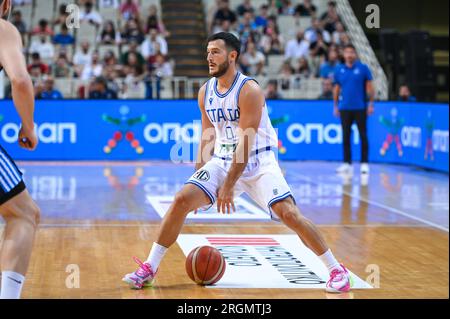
(142, 57)
(314, 52)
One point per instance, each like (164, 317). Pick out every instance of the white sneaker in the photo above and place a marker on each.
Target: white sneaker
(364, 168)
(345, 169)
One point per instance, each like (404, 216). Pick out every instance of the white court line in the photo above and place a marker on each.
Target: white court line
(388, 208)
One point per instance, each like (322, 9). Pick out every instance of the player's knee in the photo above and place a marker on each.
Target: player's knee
(35, 214)
(287, 212)
(31, 213)
(182, 202)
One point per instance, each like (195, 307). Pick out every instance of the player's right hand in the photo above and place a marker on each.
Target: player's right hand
(27, 139)
(336, 112)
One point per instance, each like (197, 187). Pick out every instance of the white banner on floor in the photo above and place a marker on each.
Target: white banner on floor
(266, 261)
(244, 210)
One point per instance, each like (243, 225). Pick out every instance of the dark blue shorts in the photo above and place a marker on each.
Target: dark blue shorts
(11, 182)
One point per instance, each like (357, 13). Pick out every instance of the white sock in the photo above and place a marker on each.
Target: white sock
(329, 261)
(156, 255)
(12, 284)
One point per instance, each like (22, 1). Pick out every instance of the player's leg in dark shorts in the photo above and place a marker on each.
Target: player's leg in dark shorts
(11, 182)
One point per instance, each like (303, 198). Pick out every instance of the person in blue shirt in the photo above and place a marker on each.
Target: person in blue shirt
(64, 38)
(353, 87)
(49, 92)
(404, 94)
(327, 68)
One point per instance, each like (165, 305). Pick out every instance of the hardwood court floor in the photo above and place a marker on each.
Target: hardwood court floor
(362, 228)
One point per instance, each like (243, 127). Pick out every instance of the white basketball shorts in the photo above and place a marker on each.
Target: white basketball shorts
(262, 180)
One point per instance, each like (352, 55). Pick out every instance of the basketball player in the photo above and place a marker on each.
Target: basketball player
(21, 214)
(243, 141)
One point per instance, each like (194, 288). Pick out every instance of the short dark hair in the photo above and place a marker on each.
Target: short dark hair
(349, 46)
(231, 42)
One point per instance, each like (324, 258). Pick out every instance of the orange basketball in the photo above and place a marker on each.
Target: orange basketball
(205, 265)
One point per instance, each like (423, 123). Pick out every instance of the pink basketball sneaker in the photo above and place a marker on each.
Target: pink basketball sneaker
(142, 277)
(340, 281)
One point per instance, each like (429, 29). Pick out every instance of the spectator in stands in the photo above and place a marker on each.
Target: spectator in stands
(226, 27)
(272, 43)
(133, 80)
(305, 9)
(330, 18)
(18, 22)
(327, 69)
(133, 60)
(133, 31)
(99, 90)
(245, 7)
(109, 35)
(137, 57)
(42, 28)
(318, 52)
(110, 64)
(44, 47)
(303, 68)
(152, 58)
(297, 48)
(82, 3)
(224, 13)
(35, 73)
(336, 36)
(90, 15)
(286, 8)
(404, 94)
(61, 19)
(148, 47)
(82, 57)
(129, 9)
(93, 69)
(327, 89)
(64, 37)
(286, 74)
(111, 78)
(158, 70)
(261, 19)
(316, 28)
(247, 28)
(49, 92)
(210, 15)
(61, 68)
(252, 61)
(271, 92)
(36, 62)
(271, 26)
(272, 10)
(155, 22)
(344, 40)
(108, 4)
(162, 68)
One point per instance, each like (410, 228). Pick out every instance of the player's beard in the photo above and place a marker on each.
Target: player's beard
(223, 68)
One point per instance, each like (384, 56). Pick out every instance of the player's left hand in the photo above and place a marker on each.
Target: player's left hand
(225, 200)
(27, 139)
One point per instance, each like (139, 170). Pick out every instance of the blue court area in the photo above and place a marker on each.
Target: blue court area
(122, 193)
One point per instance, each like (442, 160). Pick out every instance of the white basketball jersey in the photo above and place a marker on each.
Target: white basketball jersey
(224, 113)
